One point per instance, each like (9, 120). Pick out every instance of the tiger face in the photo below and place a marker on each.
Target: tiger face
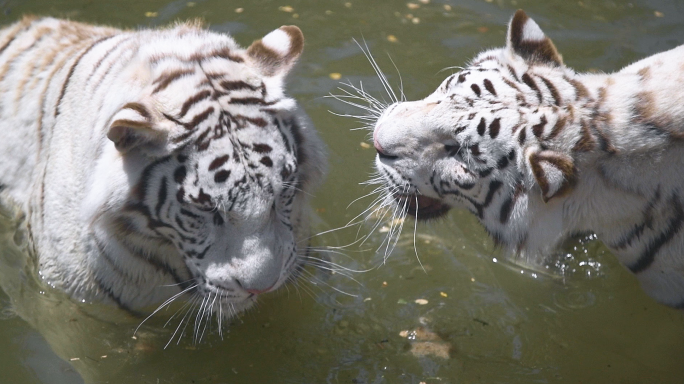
(238, 207)
(486, 136)
(229, 162)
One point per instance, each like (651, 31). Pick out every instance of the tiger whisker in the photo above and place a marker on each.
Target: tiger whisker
(331, 248)
(374, 110)
(378, 72)
(336, 270)
(177, 284)
(357, 105)
(293, 186)
(364, 196)
(393, 222)
(376, 179)
(396, 234)
(361, 93)
(374, 104)
(220, 316)
(415, 230)
(187, 304)
(295, 283)
(364, 213)
(187, 322)
(164, 304)
(180, 323)
(198, 316)
(304, 288)
(448, 68)
(209, 311)
(377, 224)
(325, 232)
(401, 81)
(317, 280)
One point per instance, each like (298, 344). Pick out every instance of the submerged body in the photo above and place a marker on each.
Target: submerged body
(540, 153)
(156, 162)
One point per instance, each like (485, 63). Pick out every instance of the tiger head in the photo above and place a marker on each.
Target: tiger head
(219, 163)
(493, 138)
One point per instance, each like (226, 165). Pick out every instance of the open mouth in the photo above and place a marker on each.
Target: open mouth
(422, 207)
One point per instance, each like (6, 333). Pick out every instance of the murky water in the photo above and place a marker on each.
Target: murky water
(582, 319)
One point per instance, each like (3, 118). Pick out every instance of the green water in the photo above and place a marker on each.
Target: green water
(585, 321)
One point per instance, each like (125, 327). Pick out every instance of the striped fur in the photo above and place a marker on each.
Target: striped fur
(539, 153)
(156, 161)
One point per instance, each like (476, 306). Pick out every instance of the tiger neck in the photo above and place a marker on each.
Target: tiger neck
(611, 115)
(592, 123)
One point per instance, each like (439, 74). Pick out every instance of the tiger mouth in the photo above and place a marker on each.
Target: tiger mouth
(422, 207)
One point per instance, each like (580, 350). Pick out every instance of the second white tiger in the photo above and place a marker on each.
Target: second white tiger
(539, 153)
(156, 161)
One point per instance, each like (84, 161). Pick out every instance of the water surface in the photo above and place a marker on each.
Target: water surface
(584, 319)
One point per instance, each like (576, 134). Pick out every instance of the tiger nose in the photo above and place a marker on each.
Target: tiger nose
(259, 283)
(254, 291)
(259, 291)
(376, 144)
(382, 152)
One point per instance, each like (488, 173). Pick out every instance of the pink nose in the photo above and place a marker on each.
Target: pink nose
(376, 144)
(259, 291)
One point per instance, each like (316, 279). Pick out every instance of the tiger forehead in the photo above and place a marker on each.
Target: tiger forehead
(482, 78)
(221, 80)
(219, 64)
(193, 96)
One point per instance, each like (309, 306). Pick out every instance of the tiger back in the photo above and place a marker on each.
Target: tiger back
(540, 153)
(157, 162)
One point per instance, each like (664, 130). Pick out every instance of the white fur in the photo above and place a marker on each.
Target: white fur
(278, 41)
(531, 31)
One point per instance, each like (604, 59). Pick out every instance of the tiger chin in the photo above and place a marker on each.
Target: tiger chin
(539, 152)
(157, 164)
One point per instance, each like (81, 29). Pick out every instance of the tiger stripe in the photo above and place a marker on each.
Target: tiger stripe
(557, 100)
(8, 63)
(489, 87)
(476, 89)
(200, 96)
(538, 129)
(558, 127)
(635, 233)
(15, 31)
(165, 79)
(73, 68)
(652, 248)
(527, 79)
(494, 128)
(119, 45)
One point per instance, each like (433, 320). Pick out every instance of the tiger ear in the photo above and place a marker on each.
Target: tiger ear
(527, 40)
(554, 172)
(132, 127)
(277, 52)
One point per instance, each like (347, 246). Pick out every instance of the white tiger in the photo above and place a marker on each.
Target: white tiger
(157, 162)
(539, 153)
